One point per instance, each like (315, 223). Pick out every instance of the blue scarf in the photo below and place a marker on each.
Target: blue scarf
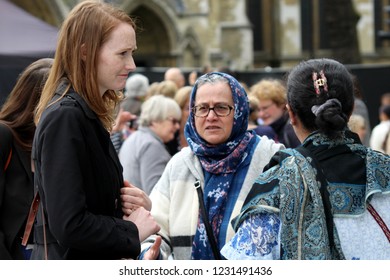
(223, 165)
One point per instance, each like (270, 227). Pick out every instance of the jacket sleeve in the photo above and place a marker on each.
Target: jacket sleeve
(62, 158)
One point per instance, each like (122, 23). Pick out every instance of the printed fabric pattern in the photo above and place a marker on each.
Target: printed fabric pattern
(284, 213)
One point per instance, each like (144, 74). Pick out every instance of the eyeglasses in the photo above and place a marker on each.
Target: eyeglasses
(221, 110)
(265, 108)
(173, 120)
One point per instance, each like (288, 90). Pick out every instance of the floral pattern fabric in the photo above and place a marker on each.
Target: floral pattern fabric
(289, 194)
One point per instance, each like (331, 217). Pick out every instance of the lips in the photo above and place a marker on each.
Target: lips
(212, 127)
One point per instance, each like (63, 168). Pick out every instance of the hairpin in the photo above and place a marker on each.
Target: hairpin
(321, 82)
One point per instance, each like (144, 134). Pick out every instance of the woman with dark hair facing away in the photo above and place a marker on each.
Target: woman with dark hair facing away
(17, 130)
(328, 199)
(77, 170)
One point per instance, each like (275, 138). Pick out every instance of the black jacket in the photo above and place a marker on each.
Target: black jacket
(16, 194)
(285, 133)
(79, 177)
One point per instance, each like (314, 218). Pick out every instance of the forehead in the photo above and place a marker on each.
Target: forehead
(122, 37)
(215, 92)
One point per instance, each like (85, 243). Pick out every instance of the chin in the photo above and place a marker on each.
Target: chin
(214, 142)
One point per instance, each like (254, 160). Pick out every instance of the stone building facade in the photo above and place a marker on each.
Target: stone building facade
(239, 34)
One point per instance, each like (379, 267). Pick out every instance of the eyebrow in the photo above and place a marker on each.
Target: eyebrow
(216, 103)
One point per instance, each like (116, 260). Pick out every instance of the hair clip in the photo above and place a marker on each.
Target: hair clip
(321, 82)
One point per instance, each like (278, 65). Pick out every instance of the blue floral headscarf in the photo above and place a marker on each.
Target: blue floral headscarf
(222, 158)
(223, 164)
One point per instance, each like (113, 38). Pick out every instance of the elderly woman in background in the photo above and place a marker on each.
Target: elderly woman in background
(137, 86)
(221, 161)
(143, 155)
(182, 97)
(272, 97)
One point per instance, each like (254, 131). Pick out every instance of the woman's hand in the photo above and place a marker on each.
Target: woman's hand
(144, 221)
(133, 198)
(154, 250)
(122, 119)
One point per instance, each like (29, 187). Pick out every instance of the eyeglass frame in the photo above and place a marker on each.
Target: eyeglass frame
(173, 120)
(193, 109)
(265, 108)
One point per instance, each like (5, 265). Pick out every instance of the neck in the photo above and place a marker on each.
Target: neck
(301, 132)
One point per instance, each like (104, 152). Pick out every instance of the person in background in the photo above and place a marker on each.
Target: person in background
(182, 97)
(380, 135)
(167, 88)
(360, 108)
(357, 124)
(271, 94)
(193, 75)
(176, 75)
(260, 129)
(143, 155)
(17, 130)
(126, 122)
(330, 197)
(136, 88)
(385, 99)
(152, 90)
(77, 170)
(217, 168)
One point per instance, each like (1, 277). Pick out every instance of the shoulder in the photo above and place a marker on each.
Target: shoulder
(181, 157)
(268, 146)
(62, 110)
(5, 132)
(184, 161)
(6, 140)
(6, 137)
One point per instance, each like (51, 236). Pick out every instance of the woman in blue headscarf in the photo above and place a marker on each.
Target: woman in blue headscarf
(219, 166)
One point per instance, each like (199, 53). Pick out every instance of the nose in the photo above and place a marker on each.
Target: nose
(130, 64)
(212, 114)
(177, 125)
(261, 114)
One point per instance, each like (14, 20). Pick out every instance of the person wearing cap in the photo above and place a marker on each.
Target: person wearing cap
(126, 121)
(136, 88)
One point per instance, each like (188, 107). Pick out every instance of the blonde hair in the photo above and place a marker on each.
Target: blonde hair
(87, 26)
(356, 122)
(167, 88)
(270, 89)
(152, 90)
(253, 101)
(182, 96)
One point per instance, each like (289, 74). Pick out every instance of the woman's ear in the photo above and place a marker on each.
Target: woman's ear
(291, 114)
(83, 52)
